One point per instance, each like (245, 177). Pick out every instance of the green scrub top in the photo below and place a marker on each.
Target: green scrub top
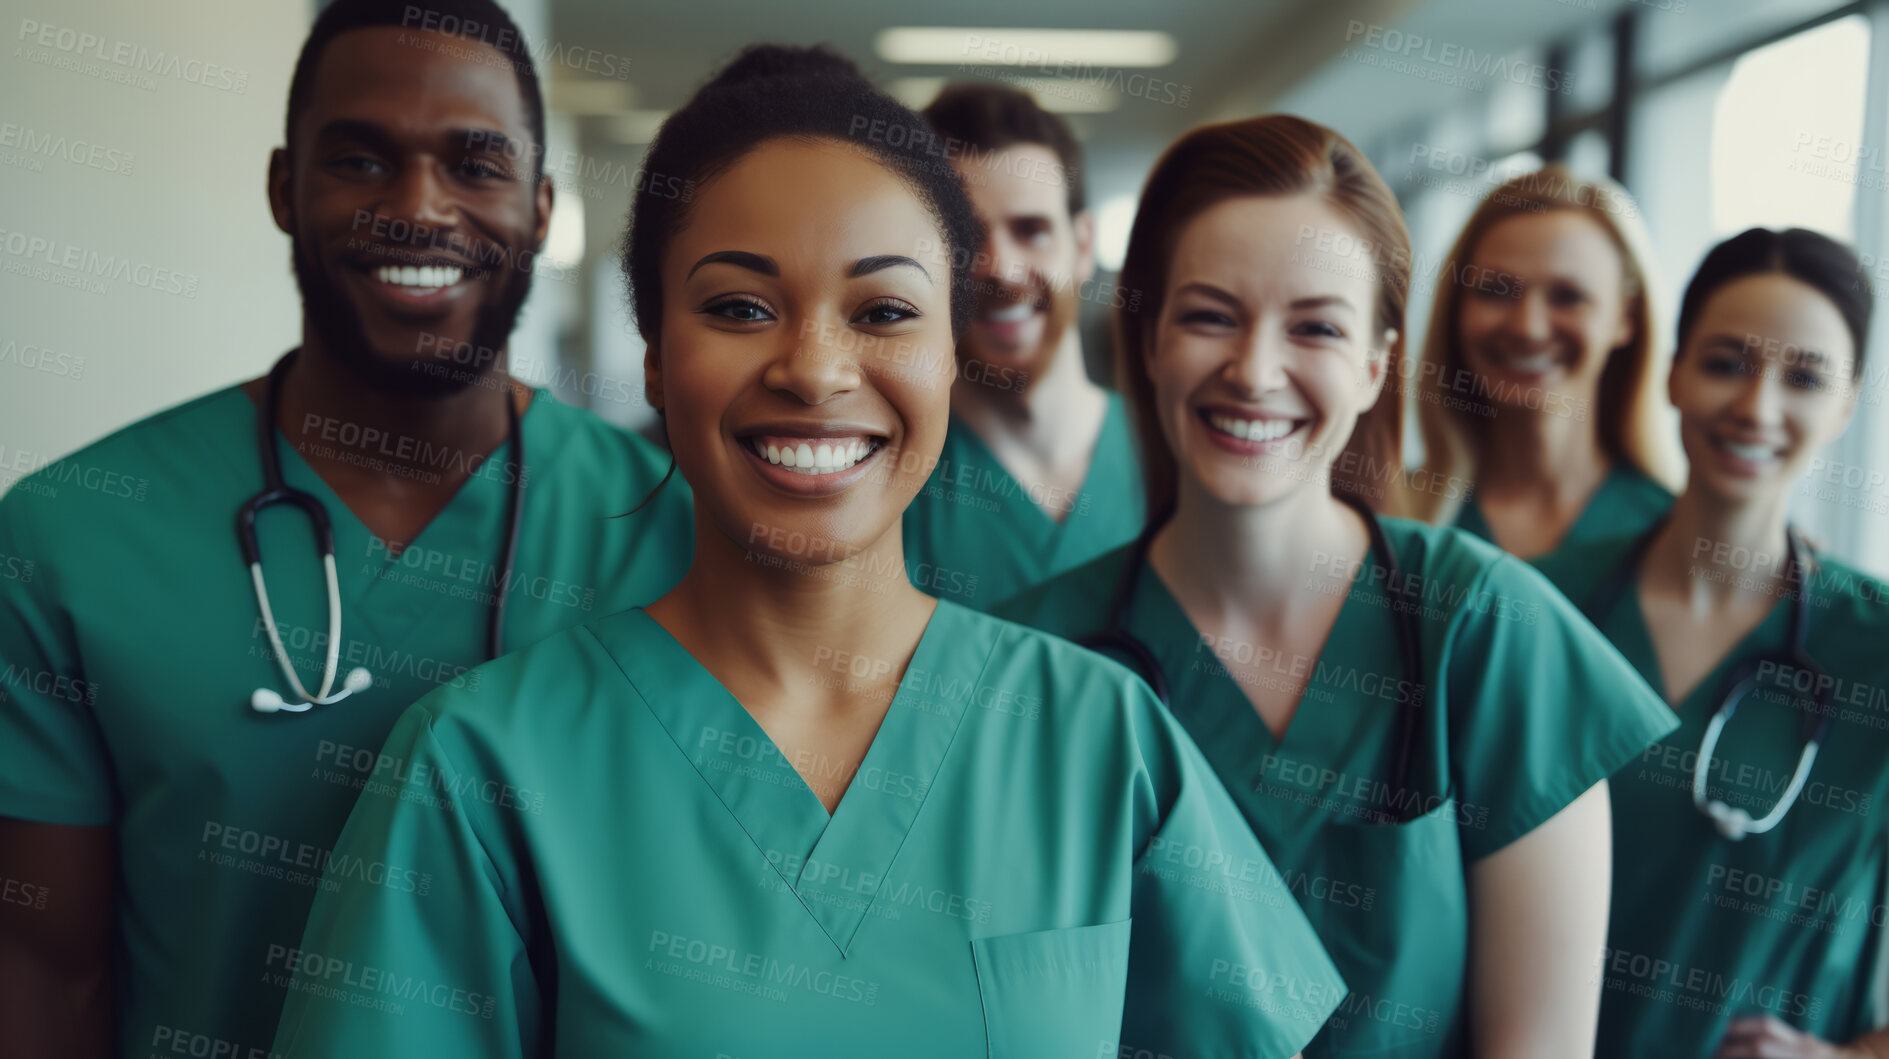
(1627, 504)
(130, 643)
(1524, 708)
(975, 535)
(1030, 860)
(1788, 923)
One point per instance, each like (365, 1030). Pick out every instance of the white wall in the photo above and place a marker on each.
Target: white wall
(169, 177)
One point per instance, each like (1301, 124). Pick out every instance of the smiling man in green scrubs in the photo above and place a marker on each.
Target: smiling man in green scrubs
(171, 837)
(1038, 472)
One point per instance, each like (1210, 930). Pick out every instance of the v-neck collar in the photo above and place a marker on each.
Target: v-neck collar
(1207, 699)
(463, 530)
(1616, 482)
(1102, 458)
(834, 865)
(1635, 642)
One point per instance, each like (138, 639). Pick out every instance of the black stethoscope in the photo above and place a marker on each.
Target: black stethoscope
(1392, 805)
(1732, 822)
(276, 491)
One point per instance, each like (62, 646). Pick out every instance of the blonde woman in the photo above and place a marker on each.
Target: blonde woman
(1539, 383)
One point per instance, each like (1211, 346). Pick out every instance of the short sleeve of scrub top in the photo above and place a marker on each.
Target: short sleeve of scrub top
(131, 644)
(58, 771)
(1524, 757)
(1030, 860)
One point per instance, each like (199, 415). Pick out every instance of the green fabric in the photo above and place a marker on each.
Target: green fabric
(975, 535)
(1790, 922)
(1626, 505)
(132, 642)
(1524, 708)
(1031, 858)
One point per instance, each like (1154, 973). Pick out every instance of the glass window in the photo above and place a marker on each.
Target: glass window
(1785, 133)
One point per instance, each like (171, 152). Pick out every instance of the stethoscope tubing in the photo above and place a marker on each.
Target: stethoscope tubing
(276, 491)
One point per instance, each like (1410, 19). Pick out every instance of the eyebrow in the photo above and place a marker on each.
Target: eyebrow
(1813, 359)
(867, 265)
(490, 140)
(353, 129)
(761, 263)
(1313, 302)
(767, 266)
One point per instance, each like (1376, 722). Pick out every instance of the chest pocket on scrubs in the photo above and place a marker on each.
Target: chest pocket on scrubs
(1053, 993)
(1390, 903)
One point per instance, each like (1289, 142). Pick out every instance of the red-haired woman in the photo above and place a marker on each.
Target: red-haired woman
(1418, 727)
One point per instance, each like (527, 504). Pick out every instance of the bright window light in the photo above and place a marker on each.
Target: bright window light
(1055, 94)
(1786, 129)
(592, 97)
(637, 126)
(564, 243)
(1044, 48)
(1114, 218)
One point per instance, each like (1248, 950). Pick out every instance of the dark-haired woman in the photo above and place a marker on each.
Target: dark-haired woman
(1418, 727)
(796, 807)
(1751, 857)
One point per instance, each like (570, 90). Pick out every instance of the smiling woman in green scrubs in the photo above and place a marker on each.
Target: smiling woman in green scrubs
(1538, 392)
(1769, 944)
(796, 806)
(1304, 650)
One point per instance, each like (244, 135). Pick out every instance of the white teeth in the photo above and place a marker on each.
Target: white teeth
(1252, 429)
(1754, 453)
(806, 458)
(422, 277)
(1533, 365)
(1013, 312)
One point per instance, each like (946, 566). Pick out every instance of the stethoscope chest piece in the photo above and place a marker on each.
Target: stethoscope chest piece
(276, 491)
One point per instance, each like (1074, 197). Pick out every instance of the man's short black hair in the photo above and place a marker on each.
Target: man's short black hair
(990, 117)
(475, 21)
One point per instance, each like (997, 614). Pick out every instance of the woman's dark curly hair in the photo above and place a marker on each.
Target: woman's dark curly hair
(771, 91)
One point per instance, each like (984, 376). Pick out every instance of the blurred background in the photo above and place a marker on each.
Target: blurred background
(1716, 114)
